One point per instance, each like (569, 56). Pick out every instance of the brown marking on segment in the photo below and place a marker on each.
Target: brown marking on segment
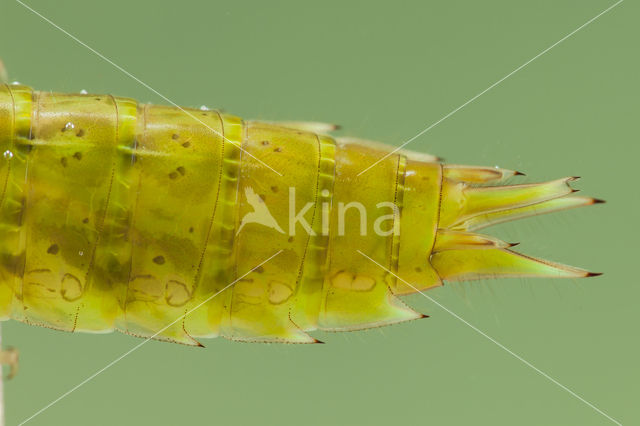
(173, 175)
(191, 230)
(53, 249)
(259, 269)
(175, 136)
(362, 283)
(181, 170)
(342, 279)
(70, 288)
(274, 188)
(159, 260)
(145, 288)
(278, 292)
(80, 133)
(85, 220)
(348, 281)
(187, 144)
(176, 293)
(77, 156)
(290, 239)
(265, 143)
(277, 149)
(64, 161)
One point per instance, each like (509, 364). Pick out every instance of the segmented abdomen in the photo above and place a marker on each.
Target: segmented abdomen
(115, 215)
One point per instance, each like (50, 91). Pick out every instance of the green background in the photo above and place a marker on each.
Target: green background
(384, 71)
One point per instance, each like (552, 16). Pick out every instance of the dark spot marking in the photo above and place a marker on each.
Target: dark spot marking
(181, 170)
(159, 260)
(274, 188)
(85, 220)
(290, 239)
(173, 175)
(277, 149)
(262, 197)
(77, 156)
(191, 230)
(53, 249)
(265, 142)
(418, 269)
(259, 269)
(175, 136)
(64, 161)
(80, 133)
(186, 144)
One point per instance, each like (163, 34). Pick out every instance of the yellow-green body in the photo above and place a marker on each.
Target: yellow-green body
(116, 215)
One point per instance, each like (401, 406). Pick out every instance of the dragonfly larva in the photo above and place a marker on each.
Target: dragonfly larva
(120, 216)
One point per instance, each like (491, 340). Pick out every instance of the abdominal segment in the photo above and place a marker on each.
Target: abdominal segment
(157, 222)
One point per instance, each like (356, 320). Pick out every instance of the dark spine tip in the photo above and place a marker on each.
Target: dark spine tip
(519, 173)
(423, 316)
(573, 191)
(337, 127)
(318, 341)
(598, 201)
(513, 244)
(593, 274)
(574, 178)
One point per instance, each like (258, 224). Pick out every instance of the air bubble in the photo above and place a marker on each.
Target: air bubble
(8, 154)
(81, 253)
(15, 83)
(83, 92)
(69, 126)
(204, 108)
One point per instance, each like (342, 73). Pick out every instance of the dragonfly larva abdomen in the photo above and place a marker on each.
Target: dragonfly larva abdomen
(117, 215)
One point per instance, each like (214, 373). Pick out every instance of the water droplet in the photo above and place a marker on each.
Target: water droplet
(8, 154)
(83, 92)
(204, 108)
(69, 126)
(496, 167)
(15, 83)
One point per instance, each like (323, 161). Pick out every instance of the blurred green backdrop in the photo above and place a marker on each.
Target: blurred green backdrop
(383, 70)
